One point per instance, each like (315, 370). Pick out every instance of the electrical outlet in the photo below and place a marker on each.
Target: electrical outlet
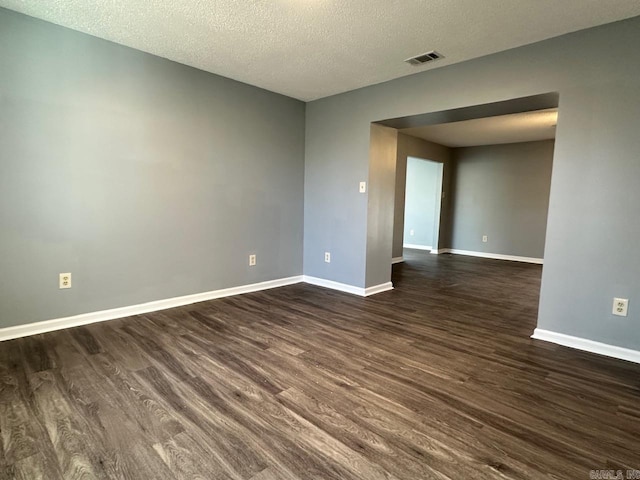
(65, 280)
(252, 260)
(620, 306)
(363, 187)
(411, 232)
(485, 239)
(327, 257)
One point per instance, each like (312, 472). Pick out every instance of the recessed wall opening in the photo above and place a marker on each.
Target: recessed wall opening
(474, 181)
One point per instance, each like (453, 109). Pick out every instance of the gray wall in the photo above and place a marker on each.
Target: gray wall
(144, 178)
(422, 187)
(591, 246)
(382, 154)
(335, 213)
(502, 191)
(417, 147)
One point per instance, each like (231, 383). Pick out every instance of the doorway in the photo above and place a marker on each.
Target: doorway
(423, 200)
(496, 162)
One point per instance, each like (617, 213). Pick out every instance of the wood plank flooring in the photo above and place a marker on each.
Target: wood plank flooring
(436, 379)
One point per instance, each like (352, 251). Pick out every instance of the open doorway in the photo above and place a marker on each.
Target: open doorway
(499, 186)
(496, 163)
(422, 204)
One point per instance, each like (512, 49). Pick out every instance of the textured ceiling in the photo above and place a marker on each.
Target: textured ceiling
(517, 127)
(310, 49)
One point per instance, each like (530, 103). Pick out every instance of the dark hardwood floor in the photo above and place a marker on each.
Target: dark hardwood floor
(436, 379)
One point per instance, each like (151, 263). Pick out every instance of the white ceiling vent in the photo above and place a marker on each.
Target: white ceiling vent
(424, 58)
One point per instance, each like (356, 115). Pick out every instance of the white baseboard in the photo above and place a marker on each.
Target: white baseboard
(395, 260)
(343, 287)
(435, 251)
(415, 246)
(587, 345)
(496, 256)
(383, 287)
(18, 331)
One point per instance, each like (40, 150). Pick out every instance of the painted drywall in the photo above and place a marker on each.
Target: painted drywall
(502, 191)
(383, 151)
(591, 252)
(335, 213)
(144, 178)
(422, 187)
(417, 147)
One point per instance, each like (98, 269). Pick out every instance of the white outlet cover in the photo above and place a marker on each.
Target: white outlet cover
(64, 280)
(620, 307)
